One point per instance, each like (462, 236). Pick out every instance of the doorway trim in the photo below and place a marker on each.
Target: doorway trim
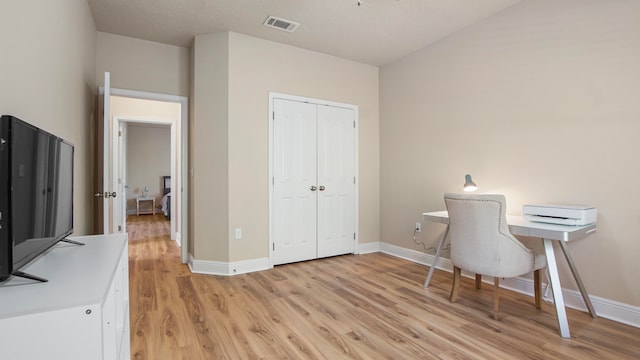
(183, 176)
(275, 95)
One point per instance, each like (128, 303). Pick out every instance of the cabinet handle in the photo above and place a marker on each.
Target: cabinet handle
(313, 188)
(321, 188)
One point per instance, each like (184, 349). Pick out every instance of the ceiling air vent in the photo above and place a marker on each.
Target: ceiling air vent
(281, 24)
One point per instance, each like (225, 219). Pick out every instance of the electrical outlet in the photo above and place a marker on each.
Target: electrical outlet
(418, 227)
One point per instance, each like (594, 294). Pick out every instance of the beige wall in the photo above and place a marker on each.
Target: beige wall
(142, 65)
(48, 79)
(209, 163)
(145, 66)
(540, 103)
(256, 67)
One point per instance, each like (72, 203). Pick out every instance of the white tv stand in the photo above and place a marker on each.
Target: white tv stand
(82, 312)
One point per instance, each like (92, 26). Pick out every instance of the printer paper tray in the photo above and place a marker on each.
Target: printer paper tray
(554, 220)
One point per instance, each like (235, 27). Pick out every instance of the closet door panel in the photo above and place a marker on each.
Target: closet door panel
(336, 181)
(295, 172)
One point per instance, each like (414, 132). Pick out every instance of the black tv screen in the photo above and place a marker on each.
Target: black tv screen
(36, 190)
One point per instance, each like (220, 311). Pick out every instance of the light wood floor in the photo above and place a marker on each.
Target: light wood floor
(368, 306)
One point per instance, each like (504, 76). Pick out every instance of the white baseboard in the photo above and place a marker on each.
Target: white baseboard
(367, 248)
(606, 308)
(228, 268)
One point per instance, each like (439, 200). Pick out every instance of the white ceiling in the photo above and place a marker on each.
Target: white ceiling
(376, 33)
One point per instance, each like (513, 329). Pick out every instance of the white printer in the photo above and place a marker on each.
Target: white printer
(560, 214)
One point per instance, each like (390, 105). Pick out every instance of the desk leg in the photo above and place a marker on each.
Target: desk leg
(435, 260)
(561, 313)
(576, 276)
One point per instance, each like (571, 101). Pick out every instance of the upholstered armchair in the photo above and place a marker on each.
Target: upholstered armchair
(481, 243)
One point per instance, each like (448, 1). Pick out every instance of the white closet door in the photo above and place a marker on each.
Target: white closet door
(336, 181)
(294, 175)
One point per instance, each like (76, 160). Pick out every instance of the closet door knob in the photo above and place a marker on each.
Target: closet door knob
(321, 188)
(313, 188)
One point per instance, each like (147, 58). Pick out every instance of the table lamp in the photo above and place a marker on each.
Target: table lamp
(469, 185)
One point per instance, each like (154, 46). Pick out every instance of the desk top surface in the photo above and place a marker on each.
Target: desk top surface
(519, 226)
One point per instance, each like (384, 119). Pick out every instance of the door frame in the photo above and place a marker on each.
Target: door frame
(120, 152)
(272, 97)
(183, 174)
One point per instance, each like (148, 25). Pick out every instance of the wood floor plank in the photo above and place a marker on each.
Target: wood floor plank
(369, 306)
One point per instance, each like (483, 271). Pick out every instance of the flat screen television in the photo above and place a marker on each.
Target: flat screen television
(36, 194)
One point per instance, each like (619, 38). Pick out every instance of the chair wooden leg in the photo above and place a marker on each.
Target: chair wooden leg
(455, 285)
(496, 298)
(478, 281)
(537, 288)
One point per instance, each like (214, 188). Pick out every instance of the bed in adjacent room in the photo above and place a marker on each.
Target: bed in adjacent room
(165, 202)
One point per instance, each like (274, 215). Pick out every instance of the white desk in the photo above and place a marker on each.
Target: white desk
(548, 233)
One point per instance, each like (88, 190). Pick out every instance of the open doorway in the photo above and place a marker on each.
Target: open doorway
(145, 169)
(157, 125)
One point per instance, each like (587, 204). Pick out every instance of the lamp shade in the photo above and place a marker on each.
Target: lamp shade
(469, 185)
